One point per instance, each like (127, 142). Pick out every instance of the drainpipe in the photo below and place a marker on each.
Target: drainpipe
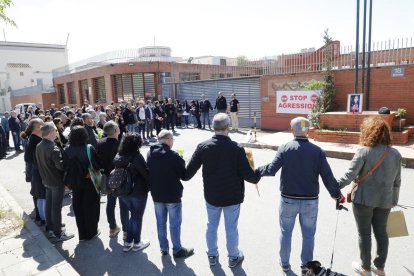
(357, 49)
(369, 57)
(364, 28)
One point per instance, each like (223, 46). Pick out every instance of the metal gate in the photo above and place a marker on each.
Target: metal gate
(247, 90)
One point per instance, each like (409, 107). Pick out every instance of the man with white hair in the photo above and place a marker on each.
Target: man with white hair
(221, 103)
(302, 163)
(166, 168)
(225, 168)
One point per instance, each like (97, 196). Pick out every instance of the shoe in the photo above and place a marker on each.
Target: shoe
(164, 252)
(124, 236)
(285, 268)
(212, 260)
(63, 237)
(184, 253)
(127, 246)
(305, 271)
(114, 232)
(235, 262)
(360, 270)
(141, 245)
(376, 271)
(50, 234)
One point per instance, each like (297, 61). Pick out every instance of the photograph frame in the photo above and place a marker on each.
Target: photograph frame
(354, 103)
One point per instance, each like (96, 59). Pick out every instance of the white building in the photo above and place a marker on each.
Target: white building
(27, 68)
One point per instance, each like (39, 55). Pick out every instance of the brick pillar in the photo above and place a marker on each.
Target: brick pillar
(109, 89)
(92, 98)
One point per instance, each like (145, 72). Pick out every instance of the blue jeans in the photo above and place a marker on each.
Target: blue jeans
(110, 212)
(231, 218)
(16, 140)
(204, 116)
(131, 127)
(308, 214)
(136, 206)
(185, 120)
(162, 211)
(41, 206)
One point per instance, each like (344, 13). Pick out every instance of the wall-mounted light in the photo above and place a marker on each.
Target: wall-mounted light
(131, 64)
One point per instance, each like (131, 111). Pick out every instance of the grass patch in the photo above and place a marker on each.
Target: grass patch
(9, 222)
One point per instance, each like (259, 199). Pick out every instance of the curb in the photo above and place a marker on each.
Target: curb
(49, 251)
(407, 162)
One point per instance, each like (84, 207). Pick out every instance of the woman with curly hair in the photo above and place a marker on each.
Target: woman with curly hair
(129, 157)
(376, 194)
(86, 199)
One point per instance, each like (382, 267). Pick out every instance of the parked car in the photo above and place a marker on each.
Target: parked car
(22, 108)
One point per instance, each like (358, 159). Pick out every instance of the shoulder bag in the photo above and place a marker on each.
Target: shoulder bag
(356, 183)
(96, 175)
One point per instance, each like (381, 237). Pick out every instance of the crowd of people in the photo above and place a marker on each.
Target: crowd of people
(63, 151)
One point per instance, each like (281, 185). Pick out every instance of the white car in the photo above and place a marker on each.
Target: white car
(22, 108)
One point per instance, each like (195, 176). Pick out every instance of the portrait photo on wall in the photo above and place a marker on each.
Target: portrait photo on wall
(354, 103)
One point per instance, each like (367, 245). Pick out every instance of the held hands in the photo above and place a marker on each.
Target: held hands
(339, 202)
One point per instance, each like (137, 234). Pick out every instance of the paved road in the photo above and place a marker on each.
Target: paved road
(258, 228)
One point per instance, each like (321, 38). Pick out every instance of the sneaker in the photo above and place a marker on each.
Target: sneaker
(124, 236)
(235, 262)
(164, 252)
(305, 271)
(212, 260)
(184, 253)
(360, 270)
(114, 232)
(377, 271)
(63, 237)
(141, 245)
(128, 246)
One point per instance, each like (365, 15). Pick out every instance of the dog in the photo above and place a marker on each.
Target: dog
(315, 268)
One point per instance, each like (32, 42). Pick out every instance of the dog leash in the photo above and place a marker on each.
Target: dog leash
(339, 207)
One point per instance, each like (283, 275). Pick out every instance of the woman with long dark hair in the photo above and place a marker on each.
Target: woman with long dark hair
(38, 191)
(376, 194)
(86, 199)
(129, 157)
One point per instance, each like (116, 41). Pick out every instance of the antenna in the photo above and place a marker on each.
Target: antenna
(67, 39)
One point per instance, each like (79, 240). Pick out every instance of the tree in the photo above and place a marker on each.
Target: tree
(241, 60)
(4, 4)
(326, 98)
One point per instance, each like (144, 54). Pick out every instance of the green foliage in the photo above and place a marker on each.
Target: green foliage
(326, 98)
(3, 17)
(401, 112)
(241, 60)
(314, 85)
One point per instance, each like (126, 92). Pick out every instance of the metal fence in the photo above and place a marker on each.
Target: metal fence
(385, 53)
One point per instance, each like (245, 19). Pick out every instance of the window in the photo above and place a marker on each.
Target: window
(223, 62)
(84, 90)
(71, 93)
(99, 89)
(129, 86)
(189, 76)
(61, 93)
(21, 74)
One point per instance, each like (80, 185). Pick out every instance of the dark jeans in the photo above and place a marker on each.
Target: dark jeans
(141, 129)
(158, 124)
(86, 206)
(110, 212)
(16, 140)
(206, 116)
(366, 217)
(150, 127)
(54, 199)
(136, 206)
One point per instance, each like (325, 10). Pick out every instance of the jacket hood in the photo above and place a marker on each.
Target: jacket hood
(159, 150)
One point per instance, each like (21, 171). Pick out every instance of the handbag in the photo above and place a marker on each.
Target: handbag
(396, 225)
(96, 175)
(349, 195)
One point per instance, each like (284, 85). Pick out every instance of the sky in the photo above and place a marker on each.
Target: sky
(253, 28)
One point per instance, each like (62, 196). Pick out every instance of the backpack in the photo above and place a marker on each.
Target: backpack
(120, 181)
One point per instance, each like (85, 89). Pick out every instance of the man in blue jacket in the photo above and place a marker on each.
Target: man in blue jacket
(302, 163)
(15, 130)
(166, 168)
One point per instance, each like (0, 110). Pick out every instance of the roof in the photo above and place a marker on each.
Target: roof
(5, 44)
(18, 65)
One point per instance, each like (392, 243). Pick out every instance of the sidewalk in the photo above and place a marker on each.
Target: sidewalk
(269, 140)
(28, 252)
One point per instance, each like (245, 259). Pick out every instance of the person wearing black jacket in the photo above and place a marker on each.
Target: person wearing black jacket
(129, 157)
(225, 168)
(205, 107)
(221, 103)
(14, 126)
(170, 112)
(86, 200)
(129, 119)
(166, 168)
(107, 150)
(37, 190)
(89, 126)
(159, 117)
(49, 161)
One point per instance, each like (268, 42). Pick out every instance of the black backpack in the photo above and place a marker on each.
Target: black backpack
(120, 181)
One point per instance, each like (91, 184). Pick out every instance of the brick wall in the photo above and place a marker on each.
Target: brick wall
(44, 99)
(353, 137)
(344, 120)
(393, 92)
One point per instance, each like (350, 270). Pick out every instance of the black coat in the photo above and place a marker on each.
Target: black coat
(166, 169)
(76, 163)
(225, 167)
(37, 190)
(107, 150)
(138, 170)
(92, 138)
